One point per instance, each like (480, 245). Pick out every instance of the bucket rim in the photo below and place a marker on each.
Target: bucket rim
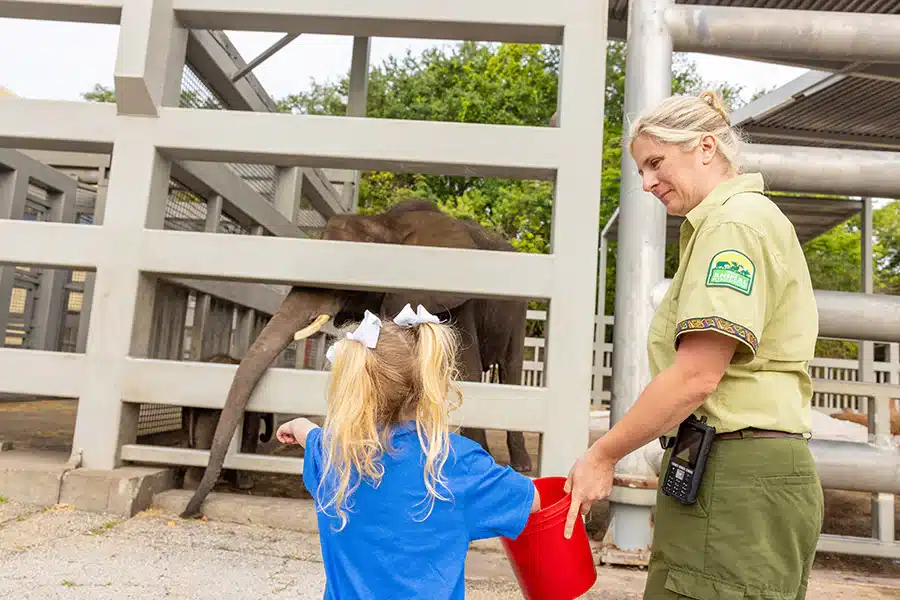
(550, 513)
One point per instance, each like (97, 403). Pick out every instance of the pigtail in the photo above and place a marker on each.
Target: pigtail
(436, 356)
(350, 439)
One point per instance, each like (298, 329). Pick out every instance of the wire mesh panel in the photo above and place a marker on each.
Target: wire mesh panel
(229, 225)
(185, 210)
(166, 340)
(195, 93)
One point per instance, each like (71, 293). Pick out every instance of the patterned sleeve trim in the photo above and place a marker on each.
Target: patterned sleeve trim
(725, 326)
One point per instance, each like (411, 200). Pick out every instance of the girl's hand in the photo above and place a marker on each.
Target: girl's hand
(294, 431)
(285, 435)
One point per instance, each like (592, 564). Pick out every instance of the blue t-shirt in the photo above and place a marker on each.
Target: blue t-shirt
(386, 549)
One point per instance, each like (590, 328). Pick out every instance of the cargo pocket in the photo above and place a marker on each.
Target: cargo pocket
(700, 587)
(764, 533)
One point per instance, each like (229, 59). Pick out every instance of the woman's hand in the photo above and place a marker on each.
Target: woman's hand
(590, 479)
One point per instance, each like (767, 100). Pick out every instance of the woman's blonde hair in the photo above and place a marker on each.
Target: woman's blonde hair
(685, 120)
(411, 370)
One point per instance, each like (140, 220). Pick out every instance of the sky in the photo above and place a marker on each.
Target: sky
(60, 61)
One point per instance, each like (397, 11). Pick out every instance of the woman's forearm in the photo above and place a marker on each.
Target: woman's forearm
(667, 401)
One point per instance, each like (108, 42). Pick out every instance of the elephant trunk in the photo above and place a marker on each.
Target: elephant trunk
(297, 310)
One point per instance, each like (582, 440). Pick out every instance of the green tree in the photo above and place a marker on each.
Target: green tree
(100, 93)
(835, 258)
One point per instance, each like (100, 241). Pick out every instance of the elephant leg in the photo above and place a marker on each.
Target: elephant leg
(510, 372)
(249, 445)
(519, 459)
(204, 423)
(471, 367)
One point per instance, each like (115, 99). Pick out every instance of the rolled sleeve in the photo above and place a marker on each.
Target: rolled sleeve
(726, 287)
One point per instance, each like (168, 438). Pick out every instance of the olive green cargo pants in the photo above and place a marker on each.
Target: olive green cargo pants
(753, 531)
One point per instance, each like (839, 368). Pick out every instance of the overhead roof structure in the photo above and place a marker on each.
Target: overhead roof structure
(821, 109)
(826, 109)
(618, 15)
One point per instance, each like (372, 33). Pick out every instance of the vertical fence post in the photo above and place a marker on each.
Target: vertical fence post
(13, 196)
(357, 101)
(84, 318)
(51, 302)
(152, 45)
(570, 331)
(640, 266)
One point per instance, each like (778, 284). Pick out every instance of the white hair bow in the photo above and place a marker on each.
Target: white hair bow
(408, 318)
(366, 333)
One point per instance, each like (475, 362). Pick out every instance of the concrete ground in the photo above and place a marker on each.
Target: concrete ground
(59, 552)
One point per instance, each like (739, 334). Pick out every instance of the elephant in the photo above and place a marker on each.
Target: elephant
(201, 426)
(492, 331)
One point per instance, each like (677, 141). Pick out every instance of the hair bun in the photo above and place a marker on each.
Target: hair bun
(715, 102)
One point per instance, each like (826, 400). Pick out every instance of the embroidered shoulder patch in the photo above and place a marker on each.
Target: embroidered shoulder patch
(731, 269)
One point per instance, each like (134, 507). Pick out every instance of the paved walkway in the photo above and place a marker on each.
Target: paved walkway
(58, 552)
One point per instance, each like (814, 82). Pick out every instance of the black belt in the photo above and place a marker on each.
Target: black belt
(749, 432)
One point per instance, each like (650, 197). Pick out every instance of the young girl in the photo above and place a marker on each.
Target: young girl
(398, 496)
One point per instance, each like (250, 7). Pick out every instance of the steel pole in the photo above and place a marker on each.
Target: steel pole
(789, 34)
(843, 315)
(639, 266)
(825, 170)
(852, 466)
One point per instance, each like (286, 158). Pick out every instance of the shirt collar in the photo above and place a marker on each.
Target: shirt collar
(747, 182)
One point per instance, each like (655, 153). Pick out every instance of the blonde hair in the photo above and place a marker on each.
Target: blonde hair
(410, 369)
(685, 120)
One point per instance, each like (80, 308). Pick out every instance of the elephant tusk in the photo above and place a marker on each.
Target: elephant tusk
(312, 328)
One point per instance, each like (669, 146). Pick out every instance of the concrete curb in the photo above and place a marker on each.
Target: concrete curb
(48, 478)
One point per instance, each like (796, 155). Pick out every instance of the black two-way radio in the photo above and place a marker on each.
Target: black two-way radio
(688, 460)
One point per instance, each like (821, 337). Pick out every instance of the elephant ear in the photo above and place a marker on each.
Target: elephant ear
(435, 229)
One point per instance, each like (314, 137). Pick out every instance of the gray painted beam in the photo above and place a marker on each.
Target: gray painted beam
(58, 125)
(523, 21)
(77, 11)
(345, 142)
(28, 372)
(214, 58)
(347, 265)
(43, 175)
(167, 455)
(182, 383)
(241, 201)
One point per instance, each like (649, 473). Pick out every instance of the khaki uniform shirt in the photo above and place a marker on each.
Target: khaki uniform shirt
(743, 274)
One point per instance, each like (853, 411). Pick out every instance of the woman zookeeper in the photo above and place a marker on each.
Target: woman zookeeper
(728, 349)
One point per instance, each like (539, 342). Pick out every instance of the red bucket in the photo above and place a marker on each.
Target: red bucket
(547, 565)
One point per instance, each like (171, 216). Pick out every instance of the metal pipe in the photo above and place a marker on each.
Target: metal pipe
(843, 36)
(851, 466)
(640, 264)
(264, 56)
(825, 170)
(842, 315)
(855, 466)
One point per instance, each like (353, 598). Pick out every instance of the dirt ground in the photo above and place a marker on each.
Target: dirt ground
(49, 425)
